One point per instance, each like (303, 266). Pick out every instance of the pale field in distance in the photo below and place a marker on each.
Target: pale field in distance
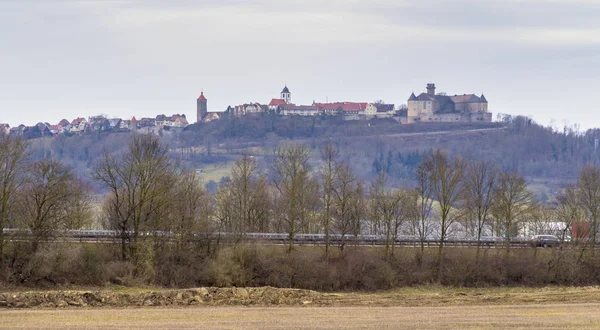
(551, 316)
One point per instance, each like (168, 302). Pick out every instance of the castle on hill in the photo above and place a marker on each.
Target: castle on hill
(432, 107)
(427, 107)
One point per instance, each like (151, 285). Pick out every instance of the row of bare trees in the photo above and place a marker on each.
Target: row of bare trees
(38, 196)
(149, 196)
(293, 197)
(151, 200)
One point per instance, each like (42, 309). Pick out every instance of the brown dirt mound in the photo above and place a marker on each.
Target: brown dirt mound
(211, 296)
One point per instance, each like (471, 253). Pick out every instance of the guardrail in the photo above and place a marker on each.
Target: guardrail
(108, 236)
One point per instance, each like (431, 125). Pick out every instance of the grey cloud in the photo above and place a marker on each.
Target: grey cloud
(132, 57)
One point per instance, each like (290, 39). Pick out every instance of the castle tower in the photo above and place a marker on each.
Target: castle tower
(286, 95)
(431, 89)
(133, 125)
(201, 108)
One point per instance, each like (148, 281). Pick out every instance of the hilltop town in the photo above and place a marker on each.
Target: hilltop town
(426, 107)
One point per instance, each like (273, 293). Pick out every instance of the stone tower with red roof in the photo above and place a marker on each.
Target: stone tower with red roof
(201, 107)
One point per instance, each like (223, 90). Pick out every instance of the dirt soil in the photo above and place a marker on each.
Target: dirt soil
(267, 296)
(532, 316)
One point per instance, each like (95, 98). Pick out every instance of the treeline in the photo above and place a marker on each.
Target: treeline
(166, 220)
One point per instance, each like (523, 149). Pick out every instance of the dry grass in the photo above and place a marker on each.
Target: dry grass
(432, 296)
(557, 316)
(215, 172)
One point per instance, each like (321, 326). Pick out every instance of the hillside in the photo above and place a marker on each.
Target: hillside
(546, 157)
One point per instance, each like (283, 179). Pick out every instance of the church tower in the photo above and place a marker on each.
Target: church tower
(286, 95)
(201, 108)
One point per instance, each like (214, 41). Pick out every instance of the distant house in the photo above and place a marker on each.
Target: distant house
(379, 110)
(78, 125)
(146, 122)
(212, 116)
(247, 108)
(114, 123)
(162, 120)
(349, 110)
(4, 129)
(125, 124)
(98, 123)
(55, 129)
(298, 110)
(178, 120)
(43, 128)
(15, 131)
(65, 126)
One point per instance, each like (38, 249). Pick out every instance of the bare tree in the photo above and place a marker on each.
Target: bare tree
(140, 189)
(568, 210)
(191, 214)
(329, 156)
(386, 210)
(296, 194)
(480, 183)
(13, 157)
(51, 199)
(589, 198)
(421, 201)
(243, 202)
(446, 176)
(345, 197)
(512, 202)
(359, 212)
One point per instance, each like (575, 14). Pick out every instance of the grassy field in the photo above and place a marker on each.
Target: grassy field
(535, 316)
(216, 172)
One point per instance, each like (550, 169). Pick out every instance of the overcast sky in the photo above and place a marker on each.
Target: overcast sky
(69, 58)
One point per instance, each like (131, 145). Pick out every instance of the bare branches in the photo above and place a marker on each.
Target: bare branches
(140, 184)
(51, 199)
(243, 204)
(446, 179)
(13, 156)
(480, 184)
(512, 202)
(296, 192)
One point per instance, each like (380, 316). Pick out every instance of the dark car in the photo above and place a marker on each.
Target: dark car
(545, 241)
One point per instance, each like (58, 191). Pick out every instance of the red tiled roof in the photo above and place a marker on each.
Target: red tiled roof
(277, 102)
(77, 120)
(201, 97)
(63, 122)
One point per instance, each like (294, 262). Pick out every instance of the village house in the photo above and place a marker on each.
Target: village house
(114, 123)
(98, 123)
(298, 110)
(4, 129)
(78, 125)
(348, 110)
(65, 126)
(178, 120)
(379, 110)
